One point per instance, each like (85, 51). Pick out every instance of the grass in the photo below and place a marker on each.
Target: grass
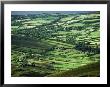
(60, 44)
(40, 21)
(88, 70)
(95, 34)
(67, 18)
(91, 21)
(14, 27)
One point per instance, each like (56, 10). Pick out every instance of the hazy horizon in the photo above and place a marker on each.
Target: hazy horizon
(48, 12)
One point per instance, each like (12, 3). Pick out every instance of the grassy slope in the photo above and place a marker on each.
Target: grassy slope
(92, 69)
(64, 56)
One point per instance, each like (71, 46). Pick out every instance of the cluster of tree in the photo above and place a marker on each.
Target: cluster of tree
(86, 47)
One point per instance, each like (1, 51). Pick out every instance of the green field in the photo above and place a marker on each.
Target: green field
(55, 45)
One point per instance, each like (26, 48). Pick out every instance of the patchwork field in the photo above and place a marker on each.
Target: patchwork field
(59, 45)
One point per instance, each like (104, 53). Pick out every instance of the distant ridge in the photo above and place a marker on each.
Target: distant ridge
(49, 12)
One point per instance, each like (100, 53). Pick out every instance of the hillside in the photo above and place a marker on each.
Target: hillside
(50, 44)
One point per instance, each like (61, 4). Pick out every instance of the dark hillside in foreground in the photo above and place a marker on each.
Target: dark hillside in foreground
(89, 70)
